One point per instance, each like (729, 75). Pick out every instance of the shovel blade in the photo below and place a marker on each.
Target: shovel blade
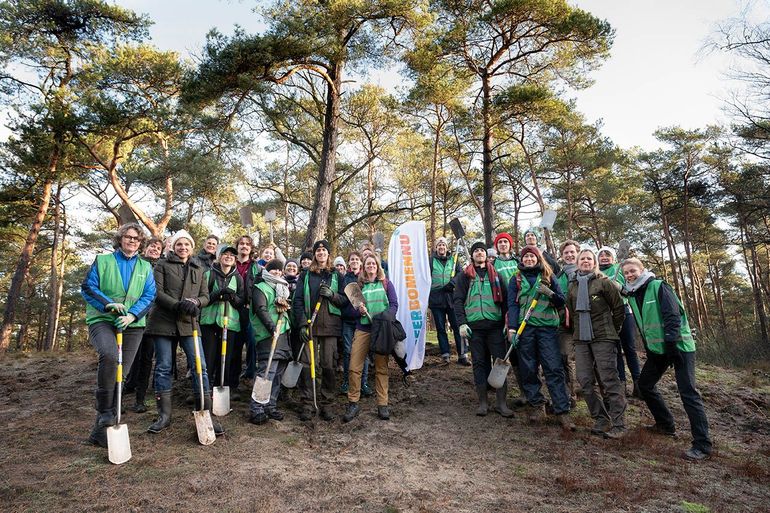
(261, 391)
(499, 373)
(457, 228)
(221, 401)
(118, 445)
(291, 375)
(204, 427)
(548, 220)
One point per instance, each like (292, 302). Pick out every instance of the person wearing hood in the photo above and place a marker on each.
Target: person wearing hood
(181, 293)
(538, 345)
(569, 251)
(321, 284)
(609, 265)
(668, 341)
(208, 253)
(119, 290)
(440, 300)
(268, 314)
(479, 303)
(349, 318)
(597, 312)
(226, 297)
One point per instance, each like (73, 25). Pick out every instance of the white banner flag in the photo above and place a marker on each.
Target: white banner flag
(409, 271)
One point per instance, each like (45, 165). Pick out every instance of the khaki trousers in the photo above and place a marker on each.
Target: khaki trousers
(358, 353)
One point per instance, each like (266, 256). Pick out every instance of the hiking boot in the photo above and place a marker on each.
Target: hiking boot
(306, 414)
(190, 401)
(218, 430)
(327, 414)
(500, 406)
(344, 387)
(275, 414)
(657, 429)
(235, 395)
(538, 414)
(565, 422)
(258, 418)
(163, 401)
(463, 360)
(383, 412)
(695, 454)
(637, 393)
(139, 407)
(601, 426)
(616, 433)
(366, 390)
(105, 417)
(520, 401)
(445, 357)
(351, 412)
(481, 392)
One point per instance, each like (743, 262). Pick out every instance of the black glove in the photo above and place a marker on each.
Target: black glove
(228, 295)
(216, 296)
(671, 351)
(187, 308)
(304, 334)
(449, 287)
(325, 291)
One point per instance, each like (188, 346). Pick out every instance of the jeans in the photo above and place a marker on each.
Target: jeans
(539, 345)
(486, 345)
(325, 351)
(599, 357)
(251, 353)
(627, 346)
(102, 336)
(684, 371)
(348, 329)
(439, 318)
(164, 356)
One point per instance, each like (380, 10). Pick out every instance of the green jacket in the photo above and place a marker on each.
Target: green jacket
(607, 309)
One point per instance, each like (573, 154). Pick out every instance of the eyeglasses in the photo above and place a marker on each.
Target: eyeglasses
(131, 238)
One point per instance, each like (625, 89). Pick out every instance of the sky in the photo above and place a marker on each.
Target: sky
(655, 76)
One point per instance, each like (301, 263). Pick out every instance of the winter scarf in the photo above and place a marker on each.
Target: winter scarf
(494, 281)
(569, 270)
(280, 285)
(639, 282)
(583, 306)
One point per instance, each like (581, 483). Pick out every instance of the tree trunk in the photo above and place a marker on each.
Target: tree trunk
(433, 179)
(488, 211)
(55, 281)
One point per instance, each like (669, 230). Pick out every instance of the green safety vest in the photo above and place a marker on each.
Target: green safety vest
(479, 304)
(334, 286)
(260, 331)
(441, 273)
(376, 299)
(111, 285)
(651, 324)
(543, 314)
(506, 269)
(614, 273)
(215, 312)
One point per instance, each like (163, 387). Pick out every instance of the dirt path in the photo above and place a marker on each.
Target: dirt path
(434, 454)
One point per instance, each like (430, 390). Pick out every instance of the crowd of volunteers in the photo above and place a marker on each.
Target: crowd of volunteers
(567, 322)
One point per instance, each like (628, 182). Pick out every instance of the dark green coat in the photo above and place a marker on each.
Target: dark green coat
(607, 308)
(173, 285)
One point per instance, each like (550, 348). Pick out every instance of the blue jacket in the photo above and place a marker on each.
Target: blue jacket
(90, 291)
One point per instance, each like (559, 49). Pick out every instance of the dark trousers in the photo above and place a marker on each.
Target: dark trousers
(212, 351)
(486, 344)
(684, 371)
(627, 347)
(594, 359)
(539, 346)
(139, 377)
(440, 316)
(325, 357)
(240, 340)
(102, 336)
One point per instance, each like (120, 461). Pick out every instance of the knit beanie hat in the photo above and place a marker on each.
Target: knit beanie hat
(307, 255)
(182, 234)
(291, 261)
(478, 245)
(339, 261)
(506, 236)
(609, 250)
(530, 249)
(274, 265)
(323, 243)
(439, 240)
(491, 252)
(533, 231)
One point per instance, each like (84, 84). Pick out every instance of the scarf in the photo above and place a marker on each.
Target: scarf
(280, 285)
(583, 306)
(569, 270)
(639, 282)
(494, 280)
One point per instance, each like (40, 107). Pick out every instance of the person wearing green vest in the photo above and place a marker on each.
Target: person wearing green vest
(538, 344)
(479, 303)
(226, 296)
(440, 300)
(380, 296)
(269, 304)
(668, 341)
(609, 265)
(568, 250)
(320, 283)
(119, 290)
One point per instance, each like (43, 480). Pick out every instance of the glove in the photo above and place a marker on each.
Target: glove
(671, 351)
(124, 321)
(449, 287)
(304, 334)
(216, 296)
(544, 290)
(228, 295)
(186, 307)
(117, 308)
(325, 291)
(465, 331)
(513, 337)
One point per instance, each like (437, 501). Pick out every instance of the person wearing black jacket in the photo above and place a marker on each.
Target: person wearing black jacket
(479, 303)
(440, 300)
(208, 253)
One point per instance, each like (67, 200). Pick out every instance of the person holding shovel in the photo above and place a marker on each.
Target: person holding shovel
(380, 296)
(597, 312)
(443, 269)
(569, 251)
(181, 293)
(538, 344)
(320, 283)
(269, 303)
(119, 290)
(349, 319)
(479, 304)
(669, 342)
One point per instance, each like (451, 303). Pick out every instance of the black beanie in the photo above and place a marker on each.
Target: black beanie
(478, 245)
(323, 243)
(274, 265)
(307, 255)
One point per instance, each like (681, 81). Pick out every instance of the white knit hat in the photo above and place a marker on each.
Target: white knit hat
(339, 261)
(609, 250)
(182, 234)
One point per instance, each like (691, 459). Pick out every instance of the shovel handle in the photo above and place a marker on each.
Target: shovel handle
(198, 367)
(225, 320)
(119, 374)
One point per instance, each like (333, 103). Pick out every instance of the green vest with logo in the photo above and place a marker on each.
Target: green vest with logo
(543, 314)
(334, 286)
(376, 299)
(441, 273)
(479, 304)
(506, 269)
(650, 321)
(111, 285)
(214, 313)
(260, 331)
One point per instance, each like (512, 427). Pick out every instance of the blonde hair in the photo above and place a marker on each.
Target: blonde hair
(632, 261)
(595, 270)
(380, 273)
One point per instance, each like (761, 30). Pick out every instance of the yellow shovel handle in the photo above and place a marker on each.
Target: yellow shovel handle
(119, 338)
(198, 368)
(312, 358)
(526, 317)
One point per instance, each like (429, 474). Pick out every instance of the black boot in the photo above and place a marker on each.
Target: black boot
(163, 401)
(481, 391)
(500, 395)
(207, 406)
(105, 417)
(351, 412)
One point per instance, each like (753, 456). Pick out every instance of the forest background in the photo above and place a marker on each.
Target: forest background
(479, 122)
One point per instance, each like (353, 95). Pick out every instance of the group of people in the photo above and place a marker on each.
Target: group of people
(577, 316)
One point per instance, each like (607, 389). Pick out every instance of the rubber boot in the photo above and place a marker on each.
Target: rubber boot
(481, 391)
(163, 401)
(105, 417)
(501, 407)
(207, 406)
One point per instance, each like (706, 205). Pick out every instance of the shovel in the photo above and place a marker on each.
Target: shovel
(356, 297)
(262, 386)
(624, 248)
(221, 399)
(500, 368)
(459, 233)
(293, 370)
(203, 424)
(118, 445)
(310, 323)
